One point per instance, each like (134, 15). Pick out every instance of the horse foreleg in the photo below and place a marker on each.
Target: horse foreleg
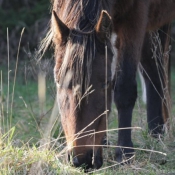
(125, 94)
(153, 71)
(130, 28)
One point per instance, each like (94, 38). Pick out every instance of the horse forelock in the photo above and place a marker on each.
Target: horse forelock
(76, 14)
(76, 67)
(81, 15)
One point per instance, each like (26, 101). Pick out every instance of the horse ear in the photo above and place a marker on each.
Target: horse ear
(61, 31)
(104, 26)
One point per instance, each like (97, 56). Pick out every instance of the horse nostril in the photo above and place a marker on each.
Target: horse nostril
(87, 160)
(68, 157)
(75, 162)
(98, 160)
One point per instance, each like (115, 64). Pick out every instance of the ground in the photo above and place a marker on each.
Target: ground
(24, 119)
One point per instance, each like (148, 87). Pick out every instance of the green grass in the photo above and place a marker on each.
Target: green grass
(25, 114)
(21, 153)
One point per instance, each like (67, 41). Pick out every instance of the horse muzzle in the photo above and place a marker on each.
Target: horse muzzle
(88, 160)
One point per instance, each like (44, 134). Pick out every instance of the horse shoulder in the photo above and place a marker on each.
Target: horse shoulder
(160, 12)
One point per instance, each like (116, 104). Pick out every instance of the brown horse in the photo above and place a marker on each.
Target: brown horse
(84, 55)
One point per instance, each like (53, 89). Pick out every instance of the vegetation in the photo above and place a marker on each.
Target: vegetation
(24, 121)
(17, 14)
(25, 124)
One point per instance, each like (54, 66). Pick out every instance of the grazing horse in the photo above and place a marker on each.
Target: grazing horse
(84, 37)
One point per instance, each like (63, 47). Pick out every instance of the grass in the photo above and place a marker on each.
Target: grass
(23, 140)
(21, 152)
(26, 113)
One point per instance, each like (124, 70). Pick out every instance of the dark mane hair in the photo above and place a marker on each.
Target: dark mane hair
(80, 48)
(81, 17)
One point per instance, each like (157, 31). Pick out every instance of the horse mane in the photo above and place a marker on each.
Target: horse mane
(76, 14)
(77, 62)
(81, 17)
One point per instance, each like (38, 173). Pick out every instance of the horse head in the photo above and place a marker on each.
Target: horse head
(84, 100)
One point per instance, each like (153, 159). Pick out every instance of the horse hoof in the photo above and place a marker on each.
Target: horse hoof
(124, 156)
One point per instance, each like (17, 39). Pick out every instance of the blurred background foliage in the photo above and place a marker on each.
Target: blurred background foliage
(33, 15)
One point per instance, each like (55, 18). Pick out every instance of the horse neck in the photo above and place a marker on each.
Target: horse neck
(160, 13)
